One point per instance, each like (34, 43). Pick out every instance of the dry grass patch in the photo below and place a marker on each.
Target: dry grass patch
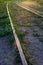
(30, 3)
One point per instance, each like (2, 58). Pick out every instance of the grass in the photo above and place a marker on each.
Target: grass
(35, 21)
(7, 30)
(26, 23)
(38, 23)
(27, 55)
(4, 21)
(10, 38)
(4, 33)
(13, 18)
(17, 57)
(41, 39)
(20, 34)
(35, 33)
(39, 2)
(1, 1)
(41, 25)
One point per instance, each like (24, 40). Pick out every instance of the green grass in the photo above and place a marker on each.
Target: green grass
(13, 18)
(35, 33)
(20, 34)
(27, 55)
(25, 23)
(10, 38)
(4, 33)
(17, 57)
(41, 39)
(4, 21)
(41, 2)
(1, 1)
(41, 25)
(8, 28)
(38, 23)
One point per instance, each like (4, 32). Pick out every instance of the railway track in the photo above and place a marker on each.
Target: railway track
(24, 62)
(30, 9)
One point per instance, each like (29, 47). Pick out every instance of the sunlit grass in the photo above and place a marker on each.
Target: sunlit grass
(30, 3)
